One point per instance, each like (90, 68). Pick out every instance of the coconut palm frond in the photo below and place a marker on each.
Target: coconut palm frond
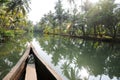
(21, 5)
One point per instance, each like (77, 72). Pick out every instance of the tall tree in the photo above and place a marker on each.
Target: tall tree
(19, 6)
(59, 13)
(108, 17)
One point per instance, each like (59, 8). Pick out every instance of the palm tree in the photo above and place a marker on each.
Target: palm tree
(19, 6)
(71, 1)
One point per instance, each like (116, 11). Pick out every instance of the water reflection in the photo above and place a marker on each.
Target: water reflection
(78, 59)
(83, 60)
(11, 51)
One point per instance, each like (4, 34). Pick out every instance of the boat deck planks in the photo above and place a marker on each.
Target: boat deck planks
(31, 72)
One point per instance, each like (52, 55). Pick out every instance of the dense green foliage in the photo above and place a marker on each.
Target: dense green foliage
(13, 16)
(96, 20)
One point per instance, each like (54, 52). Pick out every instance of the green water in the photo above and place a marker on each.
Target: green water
(73, 59)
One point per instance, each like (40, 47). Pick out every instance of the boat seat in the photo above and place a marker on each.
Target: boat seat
(31, 72)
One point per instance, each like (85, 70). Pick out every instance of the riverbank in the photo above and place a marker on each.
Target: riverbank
(6, 34)
(90, 37)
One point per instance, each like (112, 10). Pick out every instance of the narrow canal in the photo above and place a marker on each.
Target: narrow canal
(71, 58)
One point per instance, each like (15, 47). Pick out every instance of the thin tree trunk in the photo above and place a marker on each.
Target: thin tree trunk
(95, 31)
(83, 30)
(114, 32)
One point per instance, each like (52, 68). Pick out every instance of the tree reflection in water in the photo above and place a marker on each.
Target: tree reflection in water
(11, 51)
(97, 60)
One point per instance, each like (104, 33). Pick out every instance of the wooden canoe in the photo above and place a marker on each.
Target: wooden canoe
(42, 69)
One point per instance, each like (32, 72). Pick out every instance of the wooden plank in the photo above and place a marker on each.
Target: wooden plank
(31, 72)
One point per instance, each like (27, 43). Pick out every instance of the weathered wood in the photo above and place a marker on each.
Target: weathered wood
(16, 71)
(46, 65)
(31, 72)
(42, 68)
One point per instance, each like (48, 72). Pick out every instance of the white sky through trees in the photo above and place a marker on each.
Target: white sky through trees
(41, 7)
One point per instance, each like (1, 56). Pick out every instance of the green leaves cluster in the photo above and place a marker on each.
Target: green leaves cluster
(13, 13)
(104, 19)
(13, 16)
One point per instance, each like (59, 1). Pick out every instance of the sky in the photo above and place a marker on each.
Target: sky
(41, 7)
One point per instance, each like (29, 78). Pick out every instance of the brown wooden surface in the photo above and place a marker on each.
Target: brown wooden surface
(31, 72)
(16, 71)
(47, 66)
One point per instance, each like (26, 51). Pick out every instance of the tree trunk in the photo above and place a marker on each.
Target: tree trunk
(95, 31)
(114, 32)
(83, 30)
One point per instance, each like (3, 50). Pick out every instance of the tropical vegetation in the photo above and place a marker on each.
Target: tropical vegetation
(92, 20)
(13, 17)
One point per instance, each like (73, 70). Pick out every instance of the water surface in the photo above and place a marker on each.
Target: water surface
(71, 58)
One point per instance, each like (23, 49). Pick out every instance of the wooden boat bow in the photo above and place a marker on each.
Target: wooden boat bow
(43, 70)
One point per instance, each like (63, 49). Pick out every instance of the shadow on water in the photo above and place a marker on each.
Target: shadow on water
(83, 60)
